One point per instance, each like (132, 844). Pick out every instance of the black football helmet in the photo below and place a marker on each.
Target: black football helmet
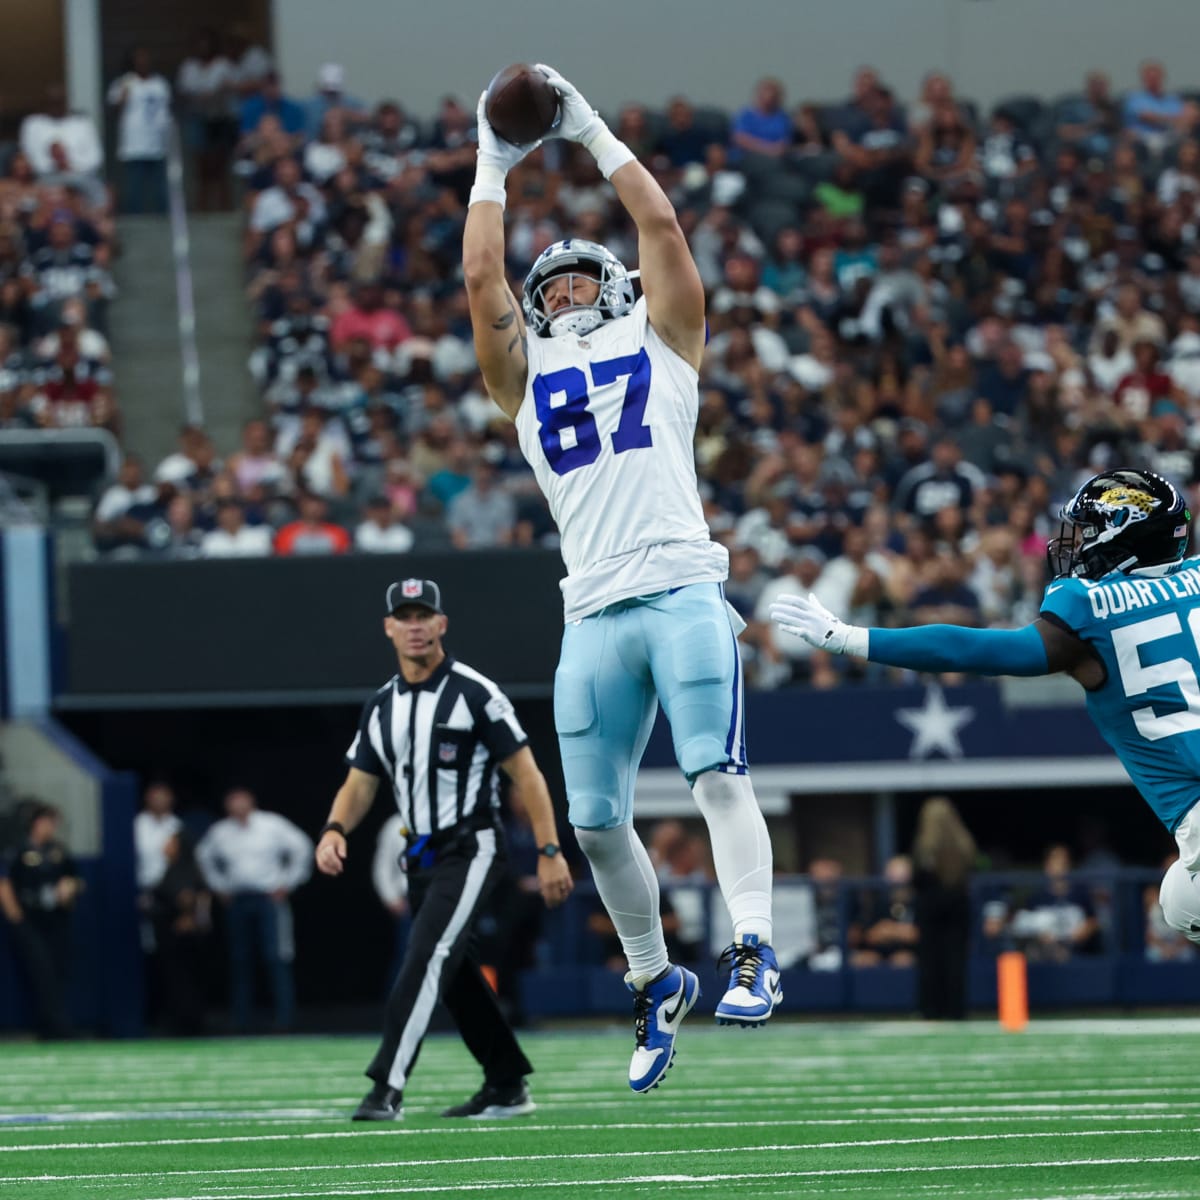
(1119, 521)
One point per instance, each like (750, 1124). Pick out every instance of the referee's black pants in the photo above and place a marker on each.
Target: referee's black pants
(446, 897)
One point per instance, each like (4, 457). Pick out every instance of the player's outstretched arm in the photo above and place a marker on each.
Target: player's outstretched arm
(496, 319)
(670, 279)
(1040, 648)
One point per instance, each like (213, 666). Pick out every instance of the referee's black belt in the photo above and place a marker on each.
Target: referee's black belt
(422, 849)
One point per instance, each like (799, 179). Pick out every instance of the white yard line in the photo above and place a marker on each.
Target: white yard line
(410, 1164)
(916, 1113)
(984, 1115)
(531, 1185)
(504, 1128)
(699, 1096)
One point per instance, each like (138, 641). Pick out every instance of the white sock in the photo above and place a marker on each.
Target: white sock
(741, 850)
(628, 886)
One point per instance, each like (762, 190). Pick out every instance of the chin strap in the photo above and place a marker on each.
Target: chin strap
(577, 323)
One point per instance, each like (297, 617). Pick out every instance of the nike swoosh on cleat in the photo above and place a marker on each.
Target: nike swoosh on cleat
(670, 1015)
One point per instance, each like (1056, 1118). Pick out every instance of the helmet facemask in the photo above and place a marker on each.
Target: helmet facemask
(576, 317)
(577, 259)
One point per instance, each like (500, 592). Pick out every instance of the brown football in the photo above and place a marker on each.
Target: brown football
(521, 106)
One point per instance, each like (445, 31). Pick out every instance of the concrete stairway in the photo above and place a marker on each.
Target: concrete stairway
(143, 329)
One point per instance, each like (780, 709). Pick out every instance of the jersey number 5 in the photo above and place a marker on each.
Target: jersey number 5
(1138, 679)
(567, 429)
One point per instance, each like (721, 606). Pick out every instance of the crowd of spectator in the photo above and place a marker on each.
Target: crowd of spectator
(56, 245)
(928, 325)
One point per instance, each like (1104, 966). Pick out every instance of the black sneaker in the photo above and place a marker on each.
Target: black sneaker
(493, 1102)
(381, 1103)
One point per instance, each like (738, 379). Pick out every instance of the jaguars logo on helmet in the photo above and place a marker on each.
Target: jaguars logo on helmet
(1122, 520)
(576, 258)
(1127, 504)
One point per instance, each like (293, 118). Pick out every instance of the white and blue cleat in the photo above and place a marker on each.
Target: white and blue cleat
(754, 988)
(658, 1010)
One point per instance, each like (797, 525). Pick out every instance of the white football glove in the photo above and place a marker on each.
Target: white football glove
(578, 121)
(494, 151)
(811, 620)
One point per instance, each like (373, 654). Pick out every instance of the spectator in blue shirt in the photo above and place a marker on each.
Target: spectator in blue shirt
(1153, 114)
(270, 100)
(763, 127)
(1091, 119)
(681, 141)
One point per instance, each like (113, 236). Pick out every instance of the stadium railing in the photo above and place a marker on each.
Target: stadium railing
(570, 977)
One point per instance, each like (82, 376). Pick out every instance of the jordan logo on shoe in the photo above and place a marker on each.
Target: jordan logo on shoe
(672, 1014)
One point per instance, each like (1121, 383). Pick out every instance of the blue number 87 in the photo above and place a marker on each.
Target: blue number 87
(568, 432)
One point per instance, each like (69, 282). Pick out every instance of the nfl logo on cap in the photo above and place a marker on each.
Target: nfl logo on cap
(422, 592)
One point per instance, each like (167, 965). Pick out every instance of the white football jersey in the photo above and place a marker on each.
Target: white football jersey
(608, 424)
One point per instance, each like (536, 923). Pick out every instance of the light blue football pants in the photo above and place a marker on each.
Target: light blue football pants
(677, 648)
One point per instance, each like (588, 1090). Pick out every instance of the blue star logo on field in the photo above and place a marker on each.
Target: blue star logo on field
(935, 725)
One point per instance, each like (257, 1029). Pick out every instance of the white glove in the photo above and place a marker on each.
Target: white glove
(579, 122)
(494, 151)
(810, 620)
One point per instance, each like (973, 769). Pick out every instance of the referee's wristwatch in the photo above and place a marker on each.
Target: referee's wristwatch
(550, 850)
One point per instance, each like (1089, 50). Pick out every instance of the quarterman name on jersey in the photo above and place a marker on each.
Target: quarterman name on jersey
(1124, 595)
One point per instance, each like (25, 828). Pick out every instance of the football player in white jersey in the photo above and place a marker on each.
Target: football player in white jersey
(603, 390)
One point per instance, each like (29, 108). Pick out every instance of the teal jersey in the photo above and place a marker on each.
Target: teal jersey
(1146, 632)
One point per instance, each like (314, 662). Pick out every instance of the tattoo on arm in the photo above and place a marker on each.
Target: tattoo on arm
(508, 320)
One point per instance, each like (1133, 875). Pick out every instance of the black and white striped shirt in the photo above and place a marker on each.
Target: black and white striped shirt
(439, 742)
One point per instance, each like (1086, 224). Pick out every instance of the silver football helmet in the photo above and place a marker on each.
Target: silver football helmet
(576, 257)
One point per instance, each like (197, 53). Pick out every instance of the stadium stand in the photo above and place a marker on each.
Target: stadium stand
(928, 323)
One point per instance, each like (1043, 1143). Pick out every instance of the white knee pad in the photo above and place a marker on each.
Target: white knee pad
(1180, 900)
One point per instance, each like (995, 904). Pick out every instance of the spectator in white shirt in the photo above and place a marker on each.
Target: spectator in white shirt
(325, 155)
(1109, 362)
(290, 200)
(142, 97)
(153, 828)
(252, 63)
(206, 86)
(253, 861)
(233, 538)
(64, 147)
(380, 532)
(111, 524)
(194, 460)
(73, 321)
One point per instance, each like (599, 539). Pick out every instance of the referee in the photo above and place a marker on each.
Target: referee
(436, 732)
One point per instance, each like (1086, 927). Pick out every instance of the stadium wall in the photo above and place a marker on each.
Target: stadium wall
(296, 630)
(713, 51)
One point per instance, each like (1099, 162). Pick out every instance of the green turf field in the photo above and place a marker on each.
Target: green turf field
(1080, 1109)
